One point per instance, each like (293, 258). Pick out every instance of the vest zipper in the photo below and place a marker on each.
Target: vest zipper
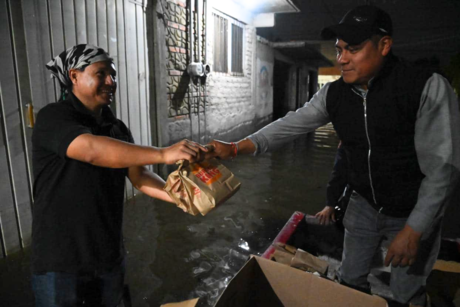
(369, 143)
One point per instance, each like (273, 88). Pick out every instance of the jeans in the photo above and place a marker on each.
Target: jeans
(59, 289)
(365, 228)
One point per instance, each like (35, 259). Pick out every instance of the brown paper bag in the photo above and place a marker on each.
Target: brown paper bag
(189, 303)
(307, 262)
(282, 256)
(199, 187)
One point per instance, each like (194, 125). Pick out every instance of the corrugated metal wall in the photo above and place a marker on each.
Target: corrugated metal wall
(34, 31)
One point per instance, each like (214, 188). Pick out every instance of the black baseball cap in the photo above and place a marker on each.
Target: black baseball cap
(360, 24)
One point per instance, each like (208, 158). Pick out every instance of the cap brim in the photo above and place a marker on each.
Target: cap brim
(350, 34)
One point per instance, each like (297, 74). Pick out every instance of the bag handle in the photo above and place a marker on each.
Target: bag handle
(185, 163)
(182, 164)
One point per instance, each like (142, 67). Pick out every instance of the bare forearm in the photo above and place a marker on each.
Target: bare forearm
(107, 152)
(148, 183)
(225, 150)
(246, 147)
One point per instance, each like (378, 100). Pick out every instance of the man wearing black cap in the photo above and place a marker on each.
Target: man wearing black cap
(398, 125)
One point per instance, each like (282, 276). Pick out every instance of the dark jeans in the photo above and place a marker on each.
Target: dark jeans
(59, 289)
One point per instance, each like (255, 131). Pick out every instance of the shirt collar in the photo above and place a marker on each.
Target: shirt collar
(107, 115)
(390, 61)
(360, 90)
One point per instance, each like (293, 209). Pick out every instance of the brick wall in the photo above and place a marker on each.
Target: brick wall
(231, 107)
(183, 95)
(222, 107)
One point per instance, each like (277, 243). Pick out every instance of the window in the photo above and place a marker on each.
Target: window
(220, 44)
(228, 43)
(237, 48)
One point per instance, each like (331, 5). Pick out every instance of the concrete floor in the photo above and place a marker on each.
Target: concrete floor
(173, 256)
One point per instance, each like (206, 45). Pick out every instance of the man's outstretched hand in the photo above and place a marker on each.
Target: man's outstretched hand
(225, 150)
(404, 248)
(326, 216)
(183, 150)
(221, 150)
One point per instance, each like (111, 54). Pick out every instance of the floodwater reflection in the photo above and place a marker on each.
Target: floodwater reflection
(174, 256)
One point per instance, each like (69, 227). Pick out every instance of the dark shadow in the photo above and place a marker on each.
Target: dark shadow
(318, 239)
(280, 89)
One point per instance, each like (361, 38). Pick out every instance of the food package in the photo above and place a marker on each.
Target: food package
(200, 187)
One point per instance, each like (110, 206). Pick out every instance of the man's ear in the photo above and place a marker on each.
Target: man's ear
(386, 44)
(73, 74)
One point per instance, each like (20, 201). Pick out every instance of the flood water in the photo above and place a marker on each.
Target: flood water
(173, 256)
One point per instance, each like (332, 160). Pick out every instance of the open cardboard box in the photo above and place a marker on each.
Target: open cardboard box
(266, 283)
(443, 284)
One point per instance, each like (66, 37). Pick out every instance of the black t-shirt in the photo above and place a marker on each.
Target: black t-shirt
(78, 207)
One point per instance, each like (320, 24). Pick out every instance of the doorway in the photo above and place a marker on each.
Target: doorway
(280, 89)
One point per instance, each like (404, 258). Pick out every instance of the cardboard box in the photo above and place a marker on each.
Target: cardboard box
(443, 284)
(266, 283)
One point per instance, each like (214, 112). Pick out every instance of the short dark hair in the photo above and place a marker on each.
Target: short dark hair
(375, 39)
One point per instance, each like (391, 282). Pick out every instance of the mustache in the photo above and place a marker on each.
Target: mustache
(108, 89)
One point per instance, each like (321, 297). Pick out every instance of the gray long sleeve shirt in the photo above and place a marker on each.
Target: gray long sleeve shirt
(437, 143)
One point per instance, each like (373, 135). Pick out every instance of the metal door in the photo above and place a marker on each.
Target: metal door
(32, 32)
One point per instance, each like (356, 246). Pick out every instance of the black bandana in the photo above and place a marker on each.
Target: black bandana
(76, 57)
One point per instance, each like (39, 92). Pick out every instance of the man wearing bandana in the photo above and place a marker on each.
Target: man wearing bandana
(399, 126)
(81, 156)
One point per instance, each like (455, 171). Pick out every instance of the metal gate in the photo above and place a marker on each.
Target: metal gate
(34, 31)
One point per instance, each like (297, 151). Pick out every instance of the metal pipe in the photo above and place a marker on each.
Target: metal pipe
(198, 26)
(190, 47)
(190, 31)
(205, 8)
(2, 234)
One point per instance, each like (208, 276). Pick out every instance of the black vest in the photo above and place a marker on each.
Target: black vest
(381, 156)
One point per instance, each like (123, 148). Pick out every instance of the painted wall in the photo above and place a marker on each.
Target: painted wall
(231, 104)
(263, 100)
(226, 106)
